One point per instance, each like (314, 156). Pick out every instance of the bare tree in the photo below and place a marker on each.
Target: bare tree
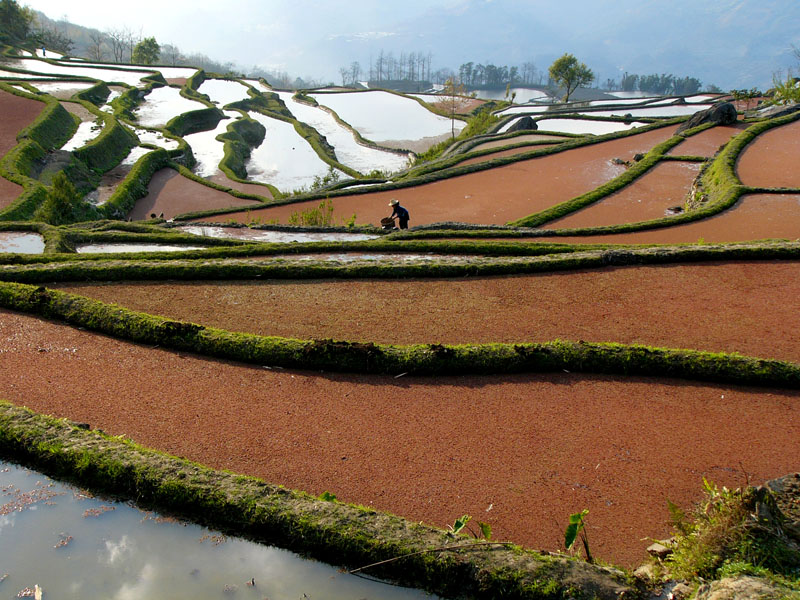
(118, 43)
(171, 54)
(95, 48)
(355, 72)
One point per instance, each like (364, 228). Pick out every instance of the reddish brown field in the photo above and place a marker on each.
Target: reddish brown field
(249, 188)
(493, 196)
(771, 160)
(533, 137)
(754, 217)
(519, 452)
(664, 186)
(707, 142)
(172, 194)
(748, 307)
(17, 113)
(501, 153)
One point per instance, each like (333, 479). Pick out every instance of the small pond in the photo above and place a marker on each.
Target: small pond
(132, 247)
(74, 545)
(260, 235)
(24, 243)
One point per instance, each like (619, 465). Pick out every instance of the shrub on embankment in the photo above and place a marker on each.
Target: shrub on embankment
(427, 359)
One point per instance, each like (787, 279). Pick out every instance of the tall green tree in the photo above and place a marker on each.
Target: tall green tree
(570, 74)
(146, 52)
(15, 22)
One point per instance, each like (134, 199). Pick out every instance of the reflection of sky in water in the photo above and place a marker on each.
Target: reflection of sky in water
(25, 243)
(128, 554)
(262, 235)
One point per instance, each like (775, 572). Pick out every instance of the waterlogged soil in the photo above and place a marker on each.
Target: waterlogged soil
(662, 187)
(753, 217)
(493, 196)
(706, 143)
(771, 160)
(534, 137)
(748, 307)
(519, 452)
(501, 153)
(172, 194)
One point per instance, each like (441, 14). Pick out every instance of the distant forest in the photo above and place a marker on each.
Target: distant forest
(414, 69)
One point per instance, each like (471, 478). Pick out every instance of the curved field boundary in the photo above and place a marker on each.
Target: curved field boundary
(431, 359)
(134, 186)
(328, 530)
(638, 169)
(407, 182)
(721, 188)
(310, 101)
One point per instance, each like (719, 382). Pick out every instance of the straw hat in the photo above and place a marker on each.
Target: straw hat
(393, 201)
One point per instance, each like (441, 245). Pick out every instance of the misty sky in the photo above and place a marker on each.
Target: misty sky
(732, 43)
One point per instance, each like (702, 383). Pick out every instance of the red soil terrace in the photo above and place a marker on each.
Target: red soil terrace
(520, 452)
(748, 307)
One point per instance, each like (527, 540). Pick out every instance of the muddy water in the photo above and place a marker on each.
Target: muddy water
(73, 545)
(772, 159)
(664, 186)
(110, 248)
(257, 235)
(24, 243)
(707, 142)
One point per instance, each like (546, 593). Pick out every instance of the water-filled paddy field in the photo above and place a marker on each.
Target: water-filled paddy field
(72, 544)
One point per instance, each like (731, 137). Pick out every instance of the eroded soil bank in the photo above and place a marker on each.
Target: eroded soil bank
(748, 307)
(519, 452)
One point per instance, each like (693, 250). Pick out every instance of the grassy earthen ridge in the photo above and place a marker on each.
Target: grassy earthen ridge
(194, 121)
(650, 160)
(427, 359)
(332, 531)
(240, 137)
(719, 183)
(134, 186)
(109, 148)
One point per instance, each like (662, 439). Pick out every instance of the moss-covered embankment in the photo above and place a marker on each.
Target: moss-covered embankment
(427, 359)
(342, 534)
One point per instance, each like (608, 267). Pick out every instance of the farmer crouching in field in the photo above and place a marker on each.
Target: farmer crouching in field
(399, 212)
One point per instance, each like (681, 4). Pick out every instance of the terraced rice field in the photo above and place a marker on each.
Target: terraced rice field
(520, 451)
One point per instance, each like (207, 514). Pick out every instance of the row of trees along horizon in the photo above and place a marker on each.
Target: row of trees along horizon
(412, 71)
